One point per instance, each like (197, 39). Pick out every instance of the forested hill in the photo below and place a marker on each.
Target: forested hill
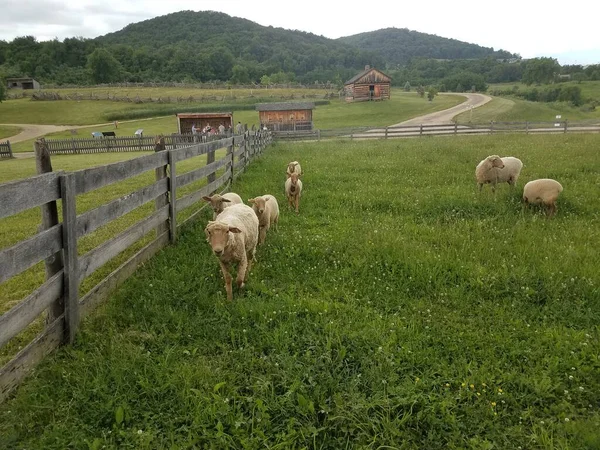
(398, 46)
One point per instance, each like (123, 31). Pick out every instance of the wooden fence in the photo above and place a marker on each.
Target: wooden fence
(5, 150)
(57, 242)
(124, 144)
(439, 130)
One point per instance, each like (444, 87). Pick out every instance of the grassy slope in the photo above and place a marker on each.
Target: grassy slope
(399, 309)
(336, 115)
(589, 89)
(6, 131)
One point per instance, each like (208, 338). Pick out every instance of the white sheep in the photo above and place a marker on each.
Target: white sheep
(494, 170)
(293, 167)
(267, 211)
(220, 202)
(293, 190)
(233, 239)
(544, 191)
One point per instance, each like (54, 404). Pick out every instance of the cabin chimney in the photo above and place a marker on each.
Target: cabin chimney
(367, 67)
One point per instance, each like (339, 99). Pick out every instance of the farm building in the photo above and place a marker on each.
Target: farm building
(185, 121)
(22, 83)
(370, 84)
(286, 116)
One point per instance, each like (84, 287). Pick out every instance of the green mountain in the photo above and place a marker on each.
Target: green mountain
(399, 46)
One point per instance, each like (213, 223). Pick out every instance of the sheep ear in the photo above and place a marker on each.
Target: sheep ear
(207, 198)
(267, 199)
(235, 230)
(251, 200)
(288, 174)
(225, 200)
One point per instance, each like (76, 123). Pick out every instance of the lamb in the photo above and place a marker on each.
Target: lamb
(293, 190)
(494, 170)
(294, 167)
(544, 191)
(267, 211)
(220, 202)
(233, 239)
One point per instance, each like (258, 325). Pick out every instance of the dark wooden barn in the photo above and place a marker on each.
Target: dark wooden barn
(185, 121)
(286, 116)
(370, 84)
(22, 83)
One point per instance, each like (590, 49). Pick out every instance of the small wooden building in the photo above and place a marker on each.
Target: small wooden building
(185, 121)
(370, 84)
(22, 83)
(287, 116)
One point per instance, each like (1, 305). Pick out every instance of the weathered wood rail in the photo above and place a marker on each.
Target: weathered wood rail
(59, 294)
(76, 146)
(5, 150)
(439, 130)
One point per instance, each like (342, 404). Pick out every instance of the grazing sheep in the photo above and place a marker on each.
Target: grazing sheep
(544, 191)
(233, 238)
(220, 202)
(293, 190)
(267, 211)
(489, 171)
(293, 167)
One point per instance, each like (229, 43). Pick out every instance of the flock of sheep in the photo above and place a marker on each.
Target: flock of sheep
(493, 170)
(236, 228)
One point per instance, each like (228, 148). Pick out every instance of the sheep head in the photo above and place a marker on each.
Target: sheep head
(217, 235)
(294, 177)
(258, 204)
(216, 202)
(495, 161)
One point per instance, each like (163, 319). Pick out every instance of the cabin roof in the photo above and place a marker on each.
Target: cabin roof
(365, 72)
(203, 115)
(286, 106)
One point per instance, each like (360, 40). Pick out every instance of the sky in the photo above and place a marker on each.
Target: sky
(528, 27)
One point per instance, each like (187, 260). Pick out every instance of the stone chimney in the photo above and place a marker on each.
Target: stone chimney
(367, 67)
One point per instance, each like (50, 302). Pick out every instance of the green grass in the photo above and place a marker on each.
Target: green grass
(400, 309)
(589, 89)
(6, 131)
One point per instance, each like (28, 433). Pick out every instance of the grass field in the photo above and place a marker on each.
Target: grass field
(400, 309)
(589, 89)
(338, 114)
(6, 131)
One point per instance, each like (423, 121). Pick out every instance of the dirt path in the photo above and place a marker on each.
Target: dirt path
(447, 115)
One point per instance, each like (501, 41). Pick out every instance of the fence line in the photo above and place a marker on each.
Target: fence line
(57, 243)
(399, 131)
(5, 150)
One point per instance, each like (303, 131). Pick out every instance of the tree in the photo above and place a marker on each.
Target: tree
(103, 66)
(2, 90)
(421, 91)
(459, 88)
(431, 93)
(240, 74)
(407, 87)
(265, 80)
(540, 70)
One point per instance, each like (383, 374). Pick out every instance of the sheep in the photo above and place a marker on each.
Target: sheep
(293, 190)
(494, 170)
(233, 239)
(267, 211)
(220, 202)
(544, 191)
(293, 167)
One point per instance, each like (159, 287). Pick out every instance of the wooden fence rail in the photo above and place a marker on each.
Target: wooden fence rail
(62, 285)
(399, 131)
(5, 150)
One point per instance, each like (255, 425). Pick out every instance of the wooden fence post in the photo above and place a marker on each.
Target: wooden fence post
(526, 127)
(421, 130)
(173, 198)
(318, 134)
(162, 200)
(247, 149)
(71, 261)
(565, 125)
(229, 166)
(10, 154)
(210, 158)
(455, 127)
(492, 127)
(54, 264)
(386, 132)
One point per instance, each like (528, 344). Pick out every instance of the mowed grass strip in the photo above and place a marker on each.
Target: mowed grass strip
(6, 131)
(400, 309)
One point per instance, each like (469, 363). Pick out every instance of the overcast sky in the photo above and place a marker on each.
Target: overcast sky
(531, 28)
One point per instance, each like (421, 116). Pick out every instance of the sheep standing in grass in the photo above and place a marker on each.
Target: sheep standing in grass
(233, 239)
(544, 191)
(220, 202)
(293, 190)
(494, 170)
(294, 167)
(267, 211)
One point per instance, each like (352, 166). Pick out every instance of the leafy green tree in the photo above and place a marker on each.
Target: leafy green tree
(240, 74)
(421, 91)
(407, 86)
(265, 80)
(540, 70)
(431, 93)
(459, 88)
(103, 66)
(2, 90)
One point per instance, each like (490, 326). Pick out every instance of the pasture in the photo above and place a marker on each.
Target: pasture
(6, 131)
(399, 309)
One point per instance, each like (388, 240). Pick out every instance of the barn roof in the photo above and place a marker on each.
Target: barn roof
(203, 115)
(364, 73)
(286, 106)
(20, 79)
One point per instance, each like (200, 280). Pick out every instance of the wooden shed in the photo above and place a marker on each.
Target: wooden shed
(22, 83)
(287, 116)
(370, 84)
(185, 121)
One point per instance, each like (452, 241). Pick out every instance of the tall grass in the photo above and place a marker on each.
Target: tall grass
(399, 309)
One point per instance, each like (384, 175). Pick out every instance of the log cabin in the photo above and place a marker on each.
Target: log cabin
(287, 116)
(370, 84)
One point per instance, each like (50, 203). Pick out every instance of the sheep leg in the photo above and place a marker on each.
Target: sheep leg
(262, 234)
(275, 222)
(228, 278)
(551, 210)
(480, 186)
(291, 202)
(250, 258)
(297, 201)
(241, 275)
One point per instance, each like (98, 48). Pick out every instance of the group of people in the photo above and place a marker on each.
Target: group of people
(208, 130)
